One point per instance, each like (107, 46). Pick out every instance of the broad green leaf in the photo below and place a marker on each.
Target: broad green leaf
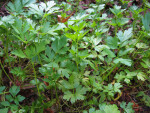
(127, 62)
(49, 55)
(80, 91)
(65, 72)
(4, 110)
(117, 87)
(2, 88)
(66, 84)
(91, 64)
(101, 6)
(19, 53)
(90, 10)
(74, 80)
(43, 9)
(79, 17)
(9, 98)
(69, 96)
(122, 21)
(124, 36)
(7, 19)
(145, 63)
(120, 76)
(45, 27)
(102, 98)
(78, 95)
(58, 44)
(15, 7)
(20, 98)
(141, 76)
(109, 53)
(36, 10)
(141, 45)
(127, 108)
(145, 98)
(83, 54)
(147, 3)
(117, 10)
(96, 41)
(99, 48)
(51, 64)
(146, 21)
(5, 103)
(124, 52)
(111, 109)
(34, 49)
(112, 42)
(35, 81)
(108, 108)
(27, 3)
(14, 90)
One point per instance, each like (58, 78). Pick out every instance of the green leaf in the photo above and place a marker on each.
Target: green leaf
(120, 77)
(34, 49)
(141, 45)
(122, 21)
(20, 98)
(124, 36)
(109, 53)
(65, 72)
(52, 64)
(43, 9)
(66, 84)
(96, 41)
(5, 103)
(83, 54)
(35, 82)
(15, 7)
(91, 64)
(68, 95)
(2, 88)
(9, 98)
(112, 42)
(127, 108)
(58, 44)
(117, 10)
(19, 53)
(145, 98)
(117, 87)
(111, 109)
(79, 94)
(146, 21)
(14, 90)
(145, 63)
(99, 48)
(103, 97)
(127, 62)
(125, 51)
(108, 108)
(49, 55)
(4, 110)
(27, 3)
(141, 76)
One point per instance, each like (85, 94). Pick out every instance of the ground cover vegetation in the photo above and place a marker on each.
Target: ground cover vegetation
(75, 56)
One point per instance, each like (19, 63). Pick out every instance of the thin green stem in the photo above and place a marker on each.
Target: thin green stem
(104, 77)
(5, 72)
(36, 79)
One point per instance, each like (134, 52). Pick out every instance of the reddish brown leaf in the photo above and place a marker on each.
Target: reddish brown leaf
(46, 83)
(48, 110)
(63, 20)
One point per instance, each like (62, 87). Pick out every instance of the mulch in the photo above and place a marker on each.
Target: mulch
(3, 10)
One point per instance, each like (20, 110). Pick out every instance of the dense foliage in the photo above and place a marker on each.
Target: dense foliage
(73, 57)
